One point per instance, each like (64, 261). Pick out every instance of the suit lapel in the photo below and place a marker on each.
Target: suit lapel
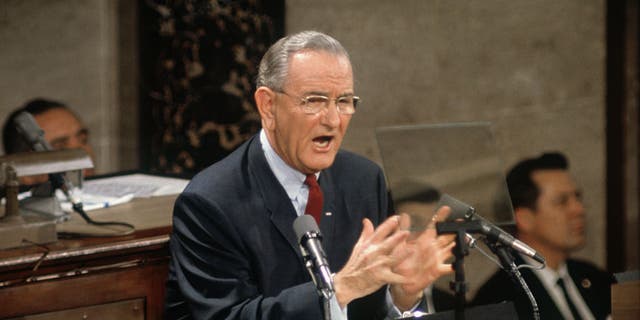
(281, 213)
(547, 306)
(329, 210)
(585, 282)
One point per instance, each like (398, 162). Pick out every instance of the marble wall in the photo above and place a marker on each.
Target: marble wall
(80, 52)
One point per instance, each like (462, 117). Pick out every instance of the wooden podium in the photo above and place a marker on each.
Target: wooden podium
(625, 300)
(93, 277)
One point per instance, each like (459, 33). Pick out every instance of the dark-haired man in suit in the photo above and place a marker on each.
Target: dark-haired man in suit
(62, 128)
(550, 217)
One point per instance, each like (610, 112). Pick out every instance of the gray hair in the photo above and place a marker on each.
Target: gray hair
(274, 65)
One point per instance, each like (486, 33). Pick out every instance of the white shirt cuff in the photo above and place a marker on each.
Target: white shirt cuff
(394, 312)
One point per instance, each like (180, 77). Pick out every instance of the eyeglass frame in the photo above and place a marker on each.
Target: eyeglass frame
(305, 100)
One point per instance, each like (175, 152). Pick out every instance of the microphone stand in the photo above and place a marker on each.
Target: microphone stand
(508, 264)
(326, 308)
(325, 293)
(459, 285)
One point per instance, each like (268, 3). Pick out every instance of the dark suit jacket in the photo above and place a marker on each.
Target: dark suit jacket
(442, 300)
(234, 254)
(594, 286)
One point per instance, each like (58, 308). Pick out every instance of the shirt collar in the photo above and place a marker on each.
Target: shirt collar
(548, 275)
(291, 179)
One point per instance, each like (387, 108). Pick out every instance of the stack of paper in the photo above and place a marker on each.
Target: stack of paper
(108, 192)
(139, 185)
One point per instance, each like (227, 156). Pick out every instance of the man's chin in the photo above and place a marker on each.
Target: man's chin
(577, 244)
(321, 163)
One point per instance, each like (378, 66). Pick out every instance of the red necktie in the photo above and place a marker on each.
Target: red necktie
(314, 202)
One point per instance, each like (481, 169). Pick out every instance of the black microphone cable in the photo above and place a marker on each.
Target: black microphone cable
(59, 182)
(508, 264)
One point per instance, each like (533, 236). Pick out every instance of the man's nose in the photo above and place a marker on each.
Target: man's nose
(331, 116)
(577, 206)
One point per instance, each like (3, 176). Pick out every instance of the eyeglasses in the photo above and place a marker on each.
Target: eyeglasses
(313, 104)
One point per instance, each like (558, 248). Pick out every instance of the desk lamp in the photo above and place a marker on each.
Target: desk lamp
(32, 220)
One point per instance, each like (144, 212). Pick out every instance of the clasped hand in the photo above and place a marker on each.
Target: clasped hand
(389, 254)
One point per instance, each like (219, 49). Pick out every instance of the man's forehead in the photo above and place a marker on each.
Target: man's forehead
(553, 179)
(58, 121)
(61, 113)
(308, 69)
(308, 60)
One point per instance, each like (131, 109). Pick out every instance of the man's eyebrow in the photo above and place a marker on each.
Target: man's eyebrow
(82, 131)
(326, 94)
(64, 139)
(315, 93)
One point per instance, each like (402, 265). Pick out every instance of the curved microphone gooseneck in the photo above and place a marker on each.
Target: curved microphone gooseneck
(509, 265)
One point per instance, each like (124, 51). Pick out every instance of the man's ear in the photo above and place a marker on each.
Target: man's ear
(525, 219)
(265, 101)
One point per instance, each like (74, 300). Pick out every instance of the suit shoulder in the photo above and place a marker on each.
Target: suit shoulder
(583, 268)
(349, 162)
(222, 174)
(496, 289)
(583, 264)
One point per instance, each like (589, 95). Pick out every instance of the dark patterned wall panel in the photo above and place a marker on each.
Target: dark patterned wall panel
(199, 60)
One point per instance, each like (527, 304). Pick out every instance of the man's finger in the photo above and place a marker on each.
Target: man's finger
(405, 221)
(388, 227)
(367, 230)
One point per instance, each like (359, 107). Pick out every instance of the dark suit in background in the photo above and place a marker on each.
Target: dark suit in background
(442, 300)
(234, 252)
(594, 286)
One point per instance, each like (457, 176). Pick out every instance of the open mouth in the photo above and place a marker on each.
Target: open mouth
(322, 141)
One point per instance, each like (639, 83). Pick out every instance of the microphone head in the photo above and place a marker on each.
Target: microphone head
(459, 209)
(303, 225)
(538, 257)
(29, 129)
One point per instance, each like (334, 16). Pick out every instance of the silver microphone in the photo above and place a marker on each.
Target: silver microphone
(310, 240)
